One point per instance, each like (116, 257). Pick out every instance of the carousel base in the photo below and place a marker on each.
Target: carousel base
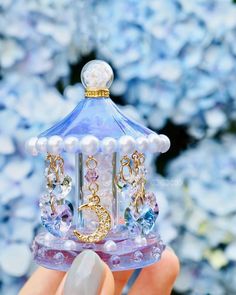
(118, 252)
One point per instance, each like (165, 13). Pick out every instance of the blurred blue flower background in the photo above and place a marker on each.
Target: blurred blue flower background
(175, 70)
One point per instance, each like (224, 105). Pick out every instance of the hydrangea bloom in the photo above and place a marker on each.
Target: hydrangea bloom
(174, 59)
(205, 197)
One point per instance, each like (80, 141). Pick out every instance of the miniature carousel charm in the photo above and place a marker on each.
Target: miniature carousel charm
(110, 210)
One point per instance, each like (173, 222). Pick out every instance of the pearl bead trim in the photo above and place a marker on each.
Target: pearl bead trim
(90, 144)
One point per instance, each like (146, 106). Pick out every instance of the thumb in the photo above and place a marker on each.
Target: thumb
(88, 275)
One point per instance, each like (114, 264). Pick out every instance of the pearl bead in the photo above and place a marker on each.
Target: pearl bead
(142, 144)
(55, 144)
(127, 144)
(30, 146)
(109, 145)
(110, 246)
(89, 145)
(166, 143)
(71, 144)
(48, 237)
(154, 142)
(70, 245)
(140, 241)
(41, 145)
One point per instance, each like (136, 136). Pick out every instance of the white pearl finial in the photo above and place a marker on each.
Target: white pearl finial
(97, 74)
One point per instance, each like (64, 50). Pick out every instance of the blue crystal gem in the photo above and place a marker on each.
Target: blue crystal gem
(144, 220)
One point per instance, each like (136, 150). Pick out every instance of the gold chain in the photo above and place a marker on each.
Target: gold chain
(139, 160)
(56, 165)
(94, 205)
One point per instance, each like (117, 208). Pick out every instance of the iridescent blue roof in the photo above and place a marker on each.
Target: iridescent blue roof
(99, 117)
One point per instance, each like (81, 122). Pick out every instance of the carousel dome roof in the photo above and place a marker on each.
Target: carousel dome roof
(97, 124)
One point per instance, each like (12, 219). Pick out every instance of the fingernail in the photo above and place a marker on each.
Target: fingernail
(85, 275)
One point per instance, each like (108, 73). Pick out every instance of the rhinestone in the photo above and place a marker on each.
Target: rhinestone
(58, 257)
(115, 260)
(156, 252)
(138, 256)
(41, 252)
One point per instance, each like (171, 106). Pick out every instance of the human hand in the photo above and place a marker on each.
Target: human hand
(89, 275)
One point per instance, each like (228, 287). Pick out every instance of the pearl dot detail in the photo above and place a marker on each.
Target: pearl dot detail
(110, 246)
(71, 144)
(142, 144)
(89, 145)
(41, 145)
(108, 145)
(154, 143)
(127, 144)
(166, 143)
(55, 144)
(30, 146)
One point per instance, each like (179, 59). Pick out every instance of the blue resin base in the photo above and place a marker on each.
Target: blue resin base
(119, 254)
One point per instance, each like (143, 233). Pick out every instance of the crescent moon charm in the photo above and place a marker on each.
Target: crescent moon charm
(104, 220)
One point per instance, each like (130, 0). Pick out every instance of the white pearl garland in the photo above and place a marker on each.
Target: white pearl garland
(108, 145)
(89, 145)
(41, 145)
(126, 144)
(142, 144)
(30, 146)
(166, 143)
(71, 144)
(154, 143)
(55, 144)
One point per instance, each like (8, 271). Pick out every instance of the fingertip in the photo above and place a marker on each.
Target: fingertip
(170, 258)
(46, 280)
(108, 285)
(159, 277)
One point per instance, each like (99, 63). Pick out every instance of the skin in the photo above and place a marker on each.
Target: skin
(157, 279)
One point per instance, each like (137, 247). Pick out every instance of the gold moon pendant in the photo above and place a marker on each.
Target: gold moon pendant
(104, 220)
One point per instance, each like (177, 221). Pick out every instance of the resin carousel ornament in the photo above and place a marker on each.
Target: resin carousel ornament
(110, 210)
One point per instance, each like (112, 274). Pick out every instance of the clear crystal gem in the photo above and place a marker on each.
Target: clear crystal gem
(57, 217)
(45, 199)
(138, 256)
(150, 199)
(61, 188)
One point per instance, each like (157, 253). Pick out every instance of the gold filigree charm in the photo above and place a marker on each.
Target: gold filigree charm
(132, 173)
(140, 180)
(104, 218)
(124, 177)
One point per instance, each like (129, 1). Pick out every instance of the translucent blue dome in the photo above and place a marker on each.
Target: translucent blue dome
(99, 117)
